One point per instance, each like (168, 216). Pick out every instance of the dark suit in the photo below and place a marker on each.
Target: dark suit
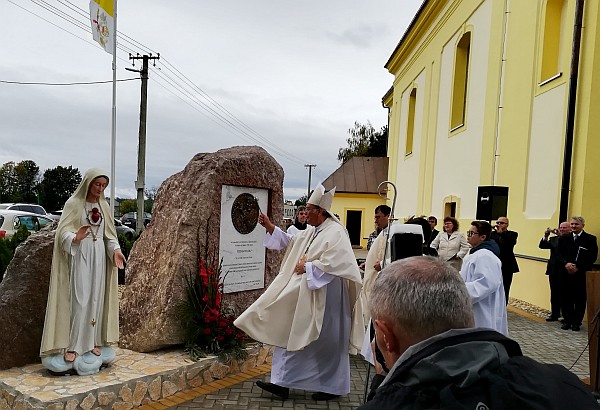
(507, 241)
(583, 253)
(433, 235)
(553, 272)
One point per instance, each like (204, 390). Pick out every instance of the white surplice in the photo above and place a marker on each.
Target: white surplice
(323, 364)
(481, 271)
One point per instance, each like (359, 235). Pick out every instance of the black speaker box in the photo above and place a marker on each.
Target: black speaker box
(492, 202)
(405, 245)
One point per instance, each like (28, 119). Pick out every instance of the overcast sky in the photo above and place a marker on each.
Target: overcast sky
(291, 76)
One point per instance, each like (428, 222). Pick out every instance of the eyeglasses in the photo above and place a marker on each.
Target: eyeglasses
(471, 233)
(500, 223)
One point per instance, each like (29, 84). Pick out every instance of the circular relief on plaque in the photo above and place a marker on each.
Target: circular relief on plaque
(244, 213)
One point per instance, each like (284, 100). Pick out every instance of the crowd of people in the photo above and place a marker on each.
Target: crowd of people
(424, 322)
(419, 317)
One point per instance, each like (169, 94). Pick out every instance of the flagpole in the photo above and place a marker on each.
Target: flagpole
(113, 181)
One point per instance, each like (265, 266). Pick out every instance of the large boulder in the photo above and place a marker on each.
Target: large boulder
(23, 297)
(185, 226)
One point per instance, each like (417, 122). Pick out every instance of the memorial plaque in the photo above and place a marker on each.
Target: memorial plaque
(241, 243)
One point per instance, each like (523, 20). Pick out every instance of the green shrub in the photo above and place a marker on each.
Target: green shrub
(6, 254)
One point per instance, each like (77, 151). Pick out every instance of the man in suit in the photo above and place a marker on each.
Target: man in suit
(432, 220)
(577, 253)
(506, 240)
(552, 269)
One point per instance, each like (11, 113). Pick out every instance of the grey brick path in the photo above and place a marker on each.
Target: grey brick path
(542, 341)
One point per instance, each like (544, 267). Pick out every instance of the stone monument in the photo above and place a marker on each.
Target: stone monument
(23, 297)
(186, 223)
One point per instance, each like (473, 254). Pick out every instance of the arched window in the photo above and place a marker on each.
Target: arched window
(410, 127)
(553, 22)
(461, 77)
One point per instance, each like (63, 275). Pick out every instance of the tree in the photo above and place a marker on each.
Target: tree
(364, 141)
(128, 205)
(301, 201)
(8, 182)
(27, 178)
(151, 195)
(57, 185)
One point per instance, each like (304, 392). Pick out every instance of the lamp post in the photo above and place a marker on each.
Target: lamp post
(310, 167)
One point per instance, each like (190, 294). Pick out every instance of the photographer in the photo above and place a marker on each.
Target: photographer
(552, 270)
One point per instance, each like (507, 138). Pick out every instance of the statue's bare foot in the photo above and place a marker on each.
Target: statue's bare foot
(97, 351)
(70, 356)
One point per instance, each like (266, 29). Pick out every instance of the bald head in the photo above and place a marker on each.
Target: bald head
(422, 297)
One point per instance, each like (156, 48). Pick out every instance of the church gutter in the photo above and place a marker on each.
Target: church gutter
(568, 152)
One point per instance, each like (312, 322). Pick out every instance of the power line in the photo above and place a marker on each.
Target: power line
(61, 84)
(195, 95)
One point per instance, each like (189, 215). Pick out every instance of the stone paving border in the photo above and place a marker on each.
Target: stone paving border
(182, 397)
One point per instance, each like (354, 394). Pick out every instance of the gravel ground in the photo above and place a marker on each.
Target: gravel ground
(529, 308)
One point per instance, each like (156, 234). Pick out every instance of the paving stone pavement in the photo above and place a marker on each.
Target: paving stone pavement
(542, 341)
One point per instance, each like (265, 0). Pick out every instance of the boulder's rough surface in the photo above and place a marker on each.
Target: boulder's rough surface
(23, 297)
(185, 226)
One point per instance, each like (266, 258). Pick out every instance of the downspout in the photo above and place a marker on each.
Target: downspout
(568, 153)
(500, 101)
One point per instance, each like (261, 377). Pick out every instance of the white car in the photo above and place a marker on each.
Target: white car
(33, 208)
(11, 221)
(121, 229)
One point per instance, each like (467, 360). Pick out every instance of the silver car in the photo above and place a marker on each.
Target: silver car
(121, 229)
(11, 221)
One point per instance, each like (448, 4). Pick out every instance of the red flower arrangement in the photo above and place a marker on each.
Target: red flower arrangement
(208, 324)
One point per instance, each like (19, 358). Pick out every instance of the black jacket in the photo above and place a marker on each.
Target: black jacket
(507, 241)
(475, 369)
(552, 244)
(582, 252)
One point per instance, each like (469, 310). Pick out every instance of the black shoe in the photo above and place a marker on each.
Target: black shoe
(282, 392)
(575, 328)
(565, 326)
(551, 319)
(324, 396)
(562, 320)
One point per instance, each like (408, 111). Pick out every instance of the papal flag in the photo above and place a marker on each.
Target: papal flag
(103, 23)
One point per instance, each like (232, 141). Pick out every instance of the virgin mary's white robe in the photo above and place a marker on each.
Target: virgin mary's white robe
(83, 307)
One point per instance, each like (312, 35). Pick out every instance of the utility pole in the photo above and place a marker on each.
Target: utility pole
(310, 167)
(141, 169)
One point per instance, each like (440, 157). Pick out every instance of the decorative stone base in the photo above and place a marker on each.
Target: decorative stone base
(134, 379)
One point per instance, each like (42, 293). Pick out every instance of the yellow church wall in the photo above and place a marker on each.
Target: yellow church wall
(531, 283)
(515, 127)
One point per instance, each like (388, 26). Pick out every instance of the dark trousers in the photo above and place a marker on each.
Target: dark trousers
(573, 297)
(555, 295)
(506, 281)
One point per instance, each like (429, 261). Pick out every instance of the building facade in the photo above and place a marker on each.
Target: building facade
(499, 93)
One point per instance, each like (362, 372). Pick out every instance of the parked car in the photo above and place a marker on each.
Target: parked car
(121, 229)
(11, 221)
(130, 219)
(33, 208)
(124, 229)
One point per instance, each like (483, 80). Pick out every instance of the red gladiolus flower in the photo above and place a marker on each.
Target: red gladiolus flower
(220, 338)
(228, 331)
(207, 331)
